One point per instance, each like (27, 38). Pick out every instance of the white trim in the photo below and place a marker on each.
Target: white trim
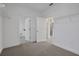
(1, 50)
(66, 48)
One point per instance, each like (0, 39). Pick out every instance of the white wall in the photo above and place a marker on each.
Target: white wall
(12, 14)
(66, 32)
(66, 26)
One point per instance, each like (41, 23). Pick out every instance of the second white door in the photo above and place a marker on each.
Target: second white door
(41, 29)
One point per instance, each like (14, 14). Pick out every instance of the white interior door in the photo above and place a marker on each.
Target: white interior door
(27, 29)
(41, 29)
(24, 30)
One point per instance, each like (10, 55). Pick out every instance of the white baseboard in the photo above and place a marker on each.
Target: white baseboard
(1, 50)
(66, 48)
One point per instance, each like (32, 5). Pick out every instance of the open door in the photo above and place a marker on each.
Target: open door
(50, 32)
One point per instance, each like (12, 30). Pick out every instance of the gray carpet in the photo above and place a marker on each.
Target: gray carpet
(36, 49)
